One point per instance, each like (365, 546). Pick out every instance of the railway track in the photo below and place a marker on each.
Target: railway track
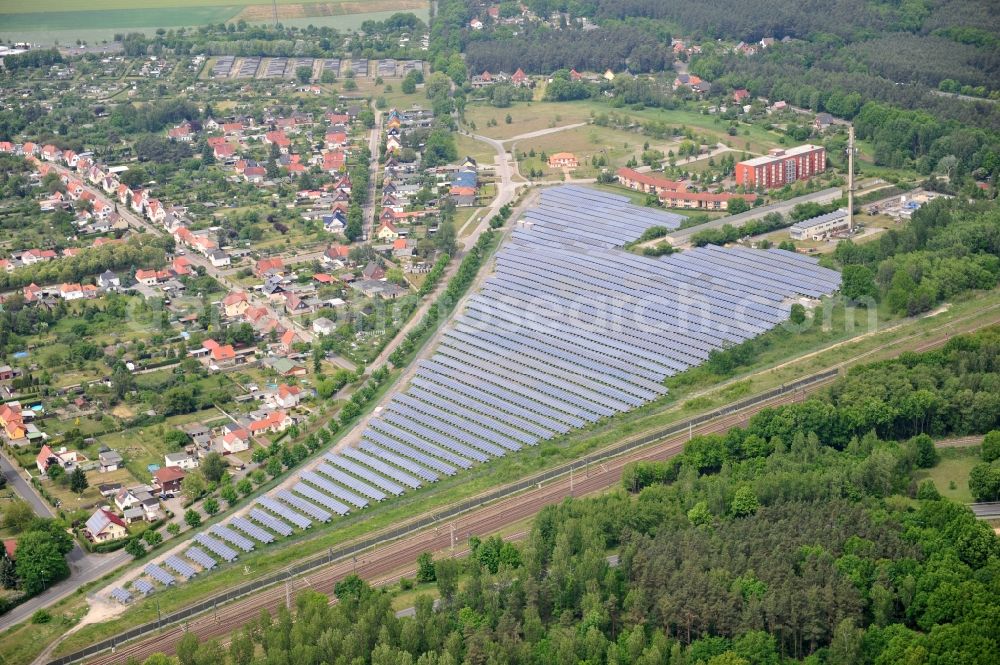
(397, 555)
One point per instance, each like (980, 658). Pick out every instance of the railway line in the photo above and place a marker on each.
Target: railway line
(382, 561)
(396, 555)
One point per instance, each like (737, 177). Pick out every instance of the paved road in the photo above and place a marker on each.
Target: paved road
(83, 567)
(986, 511)
(23, 488)
(683, 237)
(543, 132)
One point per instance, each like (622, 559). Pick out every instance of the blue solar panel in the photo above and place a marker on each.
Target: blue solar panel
(271, 522)
(251, 529)
(198, 555)
(217, 547)
(307, 507)
(232, 537)
(143, 587)
(179, 566)
(158, 574)
(361, 472)
(121, 595)
(296, 518)
(326, 500)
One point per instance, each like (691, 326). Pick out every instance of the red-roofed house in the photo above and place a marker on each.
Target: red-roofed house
(236, 441)
(276, 421)
(333, 160)
(279, 139)
(286, 397)
(70, 291)
(288, 339)
(272, 266)
(235, 304)
(647, 182)
(519, 77)
(168, 478)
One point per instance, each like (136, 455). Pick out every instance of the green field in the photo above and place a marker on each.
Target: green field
(65, 21)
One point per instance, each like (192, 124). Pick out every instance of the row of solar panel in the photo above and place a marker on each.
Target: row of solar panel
(502, 379)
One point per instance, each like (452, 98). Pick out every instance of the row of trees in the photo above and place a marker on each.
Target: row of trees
(782, 549)
(93, 261)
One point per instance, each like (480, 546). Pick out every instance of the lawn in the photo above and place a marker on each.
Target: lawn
(615, 145)
(951, 475)
(526, 117)
(64, 21)
(481, 152)
(533, 116)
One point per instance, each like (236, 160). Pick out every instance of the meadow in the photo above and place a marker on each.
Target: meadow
(66, 21)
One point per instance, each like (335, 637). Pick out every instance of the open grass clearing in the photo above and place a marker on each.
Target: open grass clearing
(951, 474)
(525, 117)
(615, 145)
(481, 152)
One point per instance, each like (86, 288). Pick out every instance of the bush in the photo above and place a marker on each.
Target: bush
(41, 616)
(991, 446)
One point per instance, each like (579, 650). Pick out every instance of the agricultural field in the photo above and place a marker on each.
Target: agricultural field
(65, 21)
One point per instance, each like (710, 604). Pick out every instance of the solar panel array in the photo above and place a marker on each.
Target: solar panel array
(248, 68)
(199, 556)
(232, 537)
(216, 547)
(223, 66)
(180, 566)
(143, 586)
(569, 330)
(158, 574)
(121, 595)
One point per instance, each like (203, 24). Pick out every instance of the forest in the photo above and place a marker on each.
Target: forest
(542, 51)
(948, 247)
(800, 538)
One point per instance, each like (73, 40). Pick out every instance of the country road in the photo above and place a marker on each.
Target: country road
(683, 236)
(83, 567)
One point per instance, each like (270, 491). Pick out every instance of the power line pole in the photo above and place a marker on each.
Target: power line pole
(850, 179)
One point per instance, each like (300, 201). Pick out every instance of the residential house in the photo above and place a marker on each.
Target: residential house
(285, 367)
(180, 460)
(563, 160)
(387, 232)
(822, 121)
(104, 526)
(287, 340)
(273, 421)
(219, 258)
(235, 304)
(70, 291)
(285, 397)
(648, 182)
(108, 280)
(235, 440)
(110, 460)
(323, 326)
(266, 267)
(373, 271)
(168, 479)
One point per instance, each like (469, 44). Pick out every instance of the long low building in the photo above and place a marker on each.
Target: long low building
(703, 200)
(649, 183)
(817, 228)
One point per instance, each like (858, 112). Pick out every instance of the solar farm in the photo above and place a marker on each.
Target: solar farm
(229, 66)
(569, 329)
